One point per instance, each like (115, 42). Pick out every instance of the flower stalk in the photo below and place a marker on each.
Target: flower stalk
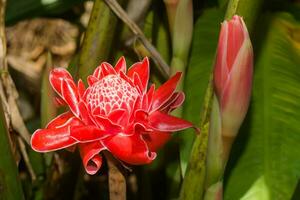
(232, 83)
(180, 14)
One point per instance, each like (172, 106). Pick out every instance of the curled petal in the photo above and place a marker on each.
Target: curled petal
(165, 91)
(91, 159)
(142, 69)
(167, 123)
(131, 149)
(121, 65)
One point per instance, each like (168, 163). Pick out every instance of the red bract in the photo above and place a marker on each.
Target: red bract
(115, 113)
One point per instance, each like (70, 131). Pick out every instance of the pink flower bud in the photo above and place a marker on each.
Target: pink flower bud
(233, 74)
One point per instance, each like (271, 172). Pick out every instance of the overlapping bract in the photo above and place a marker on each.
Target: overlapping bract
(115, 112)
(233, 74)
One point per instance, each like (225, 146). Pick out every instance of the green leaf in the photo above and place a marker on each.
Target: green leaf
(259, 190)
(271, 134)
(99, 38)
(204, 45)
(9, 180)
(20, 9)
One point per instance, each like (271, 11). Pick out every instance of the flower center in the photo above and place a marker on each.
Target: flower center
(111, 93)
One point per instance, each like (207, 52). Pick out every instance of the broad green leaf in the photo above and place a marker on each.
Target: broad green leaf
(204, 45)
(270, 136)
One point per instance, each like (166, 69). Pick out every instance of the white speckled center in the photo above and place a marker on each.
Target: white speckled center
(111, 93)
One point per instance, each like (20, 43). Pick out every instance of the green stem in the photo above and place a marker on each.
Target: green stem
(98, 40)
(194, 179)
(48, 108)
(214, 162)
(10, 185)
(248, 9)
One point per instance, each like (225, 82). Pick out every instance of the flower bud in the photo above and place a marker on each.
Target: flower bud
(233, 74)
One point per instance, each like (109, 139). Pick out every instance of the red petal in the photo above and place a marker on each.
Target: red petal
(107, 124)
(167, 123)
(60, 120)
(56, 135)
(91, 80)
(81, 88)
(156, 139)
(85, 114)
(88, 133)
(125, 77)
(98, 73)
(91, 159)
(44, 140)
(165, 91)
(150, 95)
(70, 95)
(142, 69)
(107, 69)
(58, 101)
(121, 65)
(137, 105)
(116, 116)
(131, 149)
(137, 82)
(56, 77)
(174, 102)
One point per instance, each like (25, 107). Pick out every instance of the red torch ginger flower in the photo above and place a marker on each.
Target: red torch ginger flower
(115, 113)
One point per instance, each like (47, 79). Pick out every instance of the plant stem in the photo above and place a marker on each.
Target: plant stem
(214, 163)
(193, 184)
(48, 108)
(248, 9)
(10, 185)
(116, 180)
(98, 38)
(164, 68)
